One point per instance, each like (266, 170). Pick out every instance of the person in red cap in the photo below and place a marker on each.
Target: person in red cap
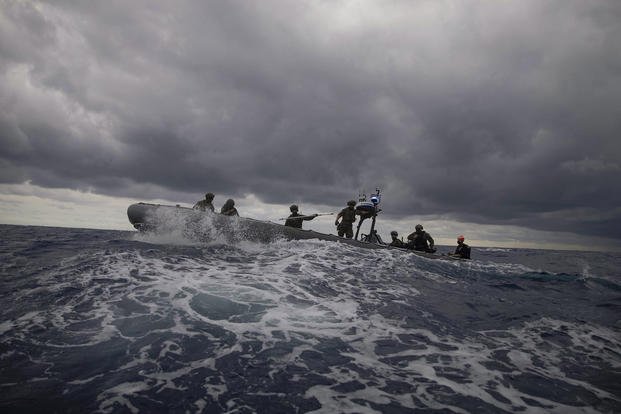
(462, 250)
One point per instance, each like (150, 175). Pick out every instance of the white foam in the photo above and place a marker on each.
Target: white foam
(313, 292)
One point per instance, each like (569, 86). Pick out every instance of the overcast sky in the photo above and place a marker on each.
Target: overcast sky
(494, 113)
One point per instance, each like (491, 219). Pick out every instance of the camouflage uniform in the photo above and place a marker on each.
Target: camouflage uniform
(348, 215)
(297, 223)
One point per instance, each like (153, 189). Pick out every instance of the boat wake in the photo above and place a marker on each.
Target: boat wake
(148, 322)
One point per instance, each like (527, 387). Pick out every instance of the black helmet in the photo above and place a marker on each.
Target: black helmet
(419, 227)
(209, 196)
(351, 203)
(293, 207)
(394, 233)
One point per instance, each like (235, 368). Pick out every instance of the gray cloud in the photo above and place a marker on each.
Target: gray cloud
(478, 111)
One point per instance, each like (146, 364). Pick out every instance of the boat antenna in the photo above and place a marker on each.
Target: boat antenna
(362, 197)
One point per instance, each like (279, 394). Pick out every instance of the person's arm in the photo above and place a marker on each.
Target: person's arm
(338, 216)
(430, 240)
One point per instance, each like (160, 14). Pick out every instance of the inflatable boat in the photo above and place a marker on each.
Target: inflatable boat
(203, 225)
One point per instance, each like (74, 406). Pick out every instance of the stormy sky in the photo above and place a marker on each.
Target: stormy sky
(488, 112)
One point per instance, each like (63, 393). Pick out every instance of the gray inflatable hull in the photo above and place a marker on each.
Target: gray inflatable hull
(157, 217)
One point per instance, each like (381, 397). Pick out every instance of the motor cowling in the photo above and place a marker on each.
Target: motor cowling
(365, 209)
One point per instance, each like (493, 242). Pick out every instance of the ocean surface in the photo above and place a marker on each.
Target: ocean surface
(120, 322)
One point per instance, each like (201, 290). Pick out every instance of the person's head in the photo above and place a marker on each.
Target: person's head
(394, 234)
(351, 203)
(209, 197)
(293, 208)
(229, 203)
(419, 228)
(460, 239)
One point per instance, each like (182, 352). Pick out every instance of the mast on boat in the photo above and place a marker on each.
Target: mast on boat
(369, 209)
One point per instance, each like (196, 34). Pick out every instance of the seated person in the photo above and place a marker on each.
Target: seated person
(206, 204)
(421, 241)
(228, 209)
(462, 250)
(395, 241)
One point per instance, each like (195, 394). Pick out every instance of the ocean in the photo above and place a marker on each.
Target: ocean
(122, 322)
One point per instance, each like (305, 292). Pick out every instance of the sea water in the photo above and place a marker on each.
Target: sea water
(115, 322)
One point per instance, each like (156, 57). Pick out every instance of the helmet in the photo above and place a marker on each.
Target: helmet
(461, 238)
(419, 227)
(394, 233)
(209, 196)
(293, 207)
(351, 203)
(375, 199)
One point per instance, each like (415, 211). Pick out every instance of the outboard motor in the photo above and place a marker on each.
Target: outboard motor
(365, 209)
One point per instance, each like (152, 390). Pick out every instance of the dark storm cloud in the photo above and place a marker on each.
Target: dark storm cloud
(493, 112)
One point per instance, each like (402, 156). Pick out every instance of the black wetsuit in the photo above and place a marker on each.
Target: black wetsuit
(397, 243)
(228, 209)
(463, 251)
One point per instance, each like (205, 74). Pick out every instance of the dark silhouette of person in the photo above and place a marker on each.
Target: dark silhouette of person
(348, 217)
(421, 241)
(228, 209)
(206, 204)
(292, 221)
(462, 250)
(396, 242)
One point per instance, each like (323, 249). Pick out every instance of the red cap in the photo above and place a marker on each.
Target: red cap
(461, 238)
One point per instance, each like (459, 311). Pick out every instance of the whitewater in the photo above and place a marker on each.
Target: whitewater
(116, 322)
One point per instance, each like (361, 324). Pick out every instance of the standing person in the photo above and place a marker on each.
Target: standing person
(421, 241)
(396, 242)
(228, 209)
(348, 217)
(206, 204)
(292, 221)
(462, 250)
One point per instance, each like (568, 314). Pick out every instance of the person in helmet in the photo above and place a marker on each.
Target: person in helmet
(228, 209)
(292, 221)
(462, 250)
(206, 204)
(348, 217)
(396, 242)
(421, 241)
